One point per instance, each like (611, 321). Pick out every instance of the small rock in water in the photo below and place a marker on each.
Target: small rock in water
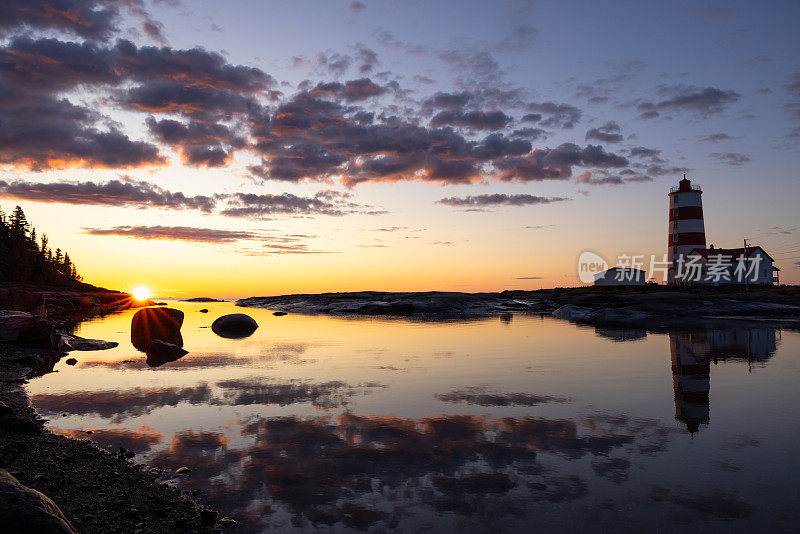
(204, 310)
(226, 522)
(71, 361)
(234, 325)
(89, 432)
(278, 314)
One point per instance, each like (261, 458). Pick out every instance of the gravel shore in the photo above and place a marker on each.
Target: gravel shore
(97, 490)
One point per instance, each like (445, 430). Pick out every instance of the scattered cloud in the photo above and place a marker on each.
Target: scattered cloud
(175, 233)
(326, 202)
(715, 137)
(730, 158)
(607, 133)
(125, 192)
(497, 199)
(478, 120)
(357, 7)
(701, 102)
(553, 115)
(138, 194)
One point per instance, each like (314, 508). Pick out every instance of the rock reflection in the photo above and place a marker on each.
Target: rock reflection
(692, 354)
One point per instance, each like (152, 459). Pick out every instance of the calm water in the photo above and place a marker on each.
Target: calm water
(321, 423)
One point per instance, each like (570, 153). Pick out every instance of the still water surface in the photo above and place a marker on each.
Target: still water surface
(323, 423)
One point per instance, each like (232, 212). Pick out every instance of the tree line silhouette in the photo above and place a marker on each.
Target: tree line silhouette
(28, 258)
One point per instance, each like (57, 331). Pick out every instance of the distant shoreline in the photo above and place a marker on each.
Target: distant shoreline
(587, 305)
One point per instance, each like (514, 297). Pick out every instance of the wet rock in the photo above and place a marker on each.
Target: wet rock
(181, 470)
(204, 310)
(71, 361)
(26, 511)
(208, 517)
(234, 325)
(27, 329)
(160, 352)
(151, 324)
(279, 313)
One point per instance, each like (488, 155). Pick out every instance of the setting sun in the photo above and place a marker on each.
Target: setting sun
(141, 293)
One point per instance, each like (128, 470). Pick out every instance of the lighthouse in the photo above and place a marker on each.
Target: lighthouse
(686, 228)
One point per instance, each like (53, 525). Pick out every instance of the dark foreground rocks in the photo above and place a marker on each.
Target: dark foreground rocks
(65, 304)
(27, 329)
(26, 511)
(234, 326)
(97, 491)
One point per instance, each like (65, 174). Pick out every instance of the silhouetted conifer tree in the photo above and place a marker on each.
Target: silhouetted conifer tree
(24, 258)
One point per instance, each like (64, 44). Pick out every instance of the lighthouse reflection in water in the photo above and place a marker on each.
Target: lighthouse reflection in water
(694, 352)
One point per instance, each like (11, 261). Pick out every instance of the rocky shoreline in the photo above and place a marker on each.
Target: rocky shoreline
(596, 306)
(57, 484)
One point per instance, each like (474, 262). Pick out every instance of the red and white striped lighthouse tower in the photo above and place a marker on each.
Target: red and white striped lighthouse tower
(686, 228)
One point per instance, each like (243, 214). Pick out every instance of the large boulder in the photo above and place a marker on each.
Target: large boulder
(26, 511)
(27, 329)
(150, 324)
(234, 326)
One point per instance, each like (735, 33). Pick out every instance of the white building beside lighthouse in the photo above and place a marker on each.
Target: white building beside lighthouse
(687, 231)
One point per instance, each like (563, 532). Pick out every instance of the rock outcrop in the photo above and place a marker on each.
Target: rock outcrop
(26, 511)
(70, 342)
(27, 329)
(431, 304)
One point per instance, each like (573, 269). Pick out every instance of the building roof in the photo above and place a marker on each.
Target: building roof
(732, 252)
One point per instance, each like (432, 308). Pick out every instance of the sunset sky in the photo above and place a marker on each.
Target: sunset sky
(242, 148)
